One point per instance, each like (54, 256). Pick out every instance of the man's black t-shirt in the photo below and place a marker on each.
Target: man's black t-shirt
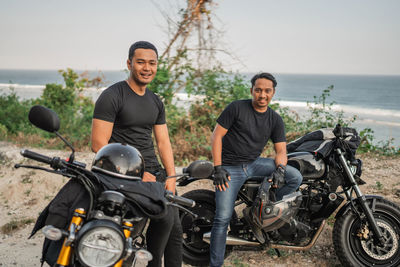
(248, 131)
(133, 116)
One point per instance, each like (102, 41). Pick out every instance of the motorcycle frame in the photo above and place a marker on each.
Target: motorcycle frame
(362, 199)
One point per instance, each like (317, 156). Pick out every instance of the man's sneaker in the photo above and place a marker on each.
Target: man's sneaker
(258, 233)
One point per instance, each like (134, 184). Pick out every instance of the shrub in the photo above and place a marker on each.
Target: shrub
(74, 109)
(190, 130)
(14, 114)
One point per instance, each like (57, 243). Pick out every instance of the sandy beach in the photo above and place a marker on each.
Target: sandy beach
(24, 193)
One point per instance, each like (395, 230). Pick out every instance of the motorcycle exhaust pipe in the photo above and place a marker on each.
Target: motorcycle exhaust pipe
(232, 241)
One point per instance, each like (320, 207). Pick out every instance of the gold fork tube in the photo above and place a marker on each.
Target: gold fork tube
(65, 254)
(127, 233)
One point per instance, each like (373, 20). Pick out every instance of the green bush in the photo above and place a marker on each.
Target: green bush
(190, 130)
(219, 88)
(75, 112)
(3, 131)
(74, 109)
(14, 114)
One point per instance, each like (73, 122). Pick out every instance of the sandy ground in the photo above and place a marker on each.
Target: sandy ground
(24, 193)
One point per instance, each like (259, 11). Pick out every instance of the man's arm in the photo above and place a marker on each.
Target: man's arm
(216, 143)
(166, 155)
(281, 156)
(216, 147)
(101, 133)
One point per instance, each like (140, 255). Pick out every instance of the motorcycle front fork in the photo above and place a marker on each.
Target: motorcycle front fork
(361, 199)
(66, 251)
(64, 257)
(128, 227)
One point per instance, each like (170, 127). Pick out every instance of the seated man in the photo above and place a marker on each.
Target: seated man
(242, 131)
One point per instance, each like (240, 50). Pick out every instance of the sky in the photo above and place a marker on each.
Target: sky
(307, 36)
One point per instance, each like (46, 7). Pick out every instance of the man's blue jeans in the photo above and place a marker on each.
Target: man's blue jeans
(225, 200)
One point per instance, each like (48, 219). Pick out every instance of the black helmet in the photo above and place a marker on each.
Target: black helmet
(119, 160)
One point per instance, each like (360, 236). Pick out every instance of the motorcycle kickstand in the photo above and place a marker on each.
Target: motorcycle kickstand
(278, 253)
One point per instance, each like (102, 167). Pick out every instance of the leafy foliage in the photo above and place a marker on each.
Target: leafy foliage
(14, 114)
(74, 109)
(190, 128)
(218, 89)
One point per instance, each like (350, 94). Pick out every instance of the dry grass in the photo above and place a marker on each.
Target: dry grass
(15, 224)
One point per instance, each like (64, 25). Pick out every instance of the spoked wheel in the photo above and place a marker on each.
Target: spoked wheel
(354, 242)
(195, 251)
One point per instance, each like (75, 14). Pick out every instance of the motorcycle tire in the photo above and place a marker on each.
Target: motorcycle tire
(353, 249)
(196, 252)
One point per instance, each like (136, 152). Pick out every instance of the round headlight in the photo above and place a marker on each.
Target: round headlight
(353, 169)
(100, 245)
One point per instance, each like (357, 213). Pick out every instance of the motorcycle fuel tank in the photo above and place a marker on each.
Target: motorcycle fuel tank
(307, 164)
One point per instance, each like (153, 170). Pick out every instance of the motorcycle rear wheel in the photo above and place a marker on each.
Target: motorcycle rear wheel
(353, 250)
(196, 252)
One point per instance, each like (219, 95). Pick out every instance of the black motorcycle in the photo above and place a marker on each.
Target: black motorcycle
(105, 214)
(367, 227)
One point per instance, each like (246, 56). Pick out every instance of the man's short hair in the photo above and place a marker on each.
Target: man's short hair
(141, 44)
(263, 75)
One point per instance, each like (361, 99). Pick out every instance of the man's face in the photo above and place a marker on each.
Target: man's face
(143, 66)
(262, 92)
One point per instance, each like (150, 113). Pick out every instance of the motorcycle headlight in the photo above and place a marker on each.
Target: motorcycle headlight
(100, 243)
(356, 168)
(353, 169)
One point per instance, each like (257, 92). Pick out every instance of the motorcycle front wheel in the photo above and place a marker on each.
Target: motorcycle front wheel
(196, 251)
(354, 243)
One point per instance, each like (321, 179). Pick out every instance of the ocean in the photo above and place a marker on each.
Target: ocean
(375, 100)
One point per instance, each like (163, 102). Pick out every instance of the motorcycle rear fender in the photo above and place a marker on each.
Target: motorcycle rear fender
(343, 210)
(187, 180)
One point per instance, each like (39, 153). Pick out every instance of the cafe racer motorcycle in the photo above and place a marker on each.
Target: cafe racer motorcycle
(366, 229)
(106, 208)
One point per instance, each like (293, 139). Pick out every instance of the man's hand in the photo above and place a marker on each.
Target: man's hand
(148, 177)
(278, 177)
(221, 178)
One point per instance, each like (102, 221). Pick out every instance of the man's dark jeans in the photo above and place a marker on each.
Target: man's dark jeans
(225, 200)
(164, 237)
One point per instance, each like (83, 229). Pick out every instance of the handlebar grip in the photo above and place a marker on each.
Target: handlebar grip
(180, 200)
(36, 156)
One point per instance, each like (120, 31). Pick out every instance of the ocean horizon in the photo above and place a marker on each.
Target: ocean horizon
(374, 99)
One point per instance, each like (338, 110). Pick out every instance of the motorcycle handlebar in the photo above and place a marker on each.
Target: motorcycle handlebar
(180, 200)
(36, 156)
(55, 163)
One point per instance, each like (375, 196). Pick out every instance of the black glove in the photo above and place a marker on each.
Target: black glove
(220, 176)
(278, 177)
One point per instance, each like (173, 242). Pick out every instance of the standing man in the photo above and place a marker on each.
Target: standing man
(127, 112)
(242, 131)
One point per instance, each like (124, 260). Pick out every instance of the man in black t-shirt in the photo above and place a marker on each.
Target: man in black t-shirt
(242, 131)
(127, 112)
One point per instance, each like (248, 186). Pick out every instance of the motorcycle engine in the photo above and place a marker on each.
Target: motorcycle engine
(294, 231)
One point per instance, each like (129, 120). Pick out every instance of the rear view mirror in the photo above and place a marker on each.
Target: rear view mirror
(200, 169)
(44, 118)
